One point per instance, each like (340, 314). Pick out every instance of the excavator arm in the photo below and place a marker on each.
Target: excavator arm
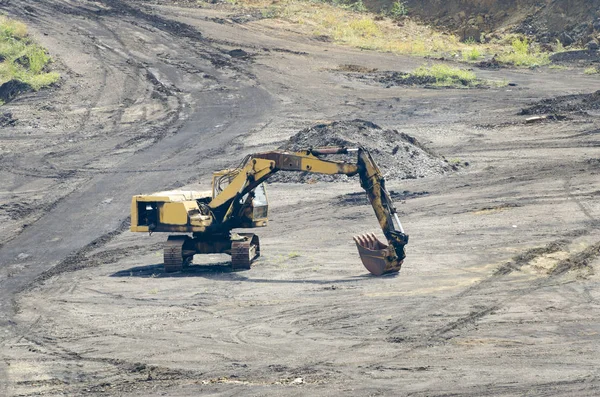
(378, 258)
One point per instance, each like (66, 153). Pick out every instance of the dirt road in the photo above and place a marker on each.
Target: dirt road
(498, 296)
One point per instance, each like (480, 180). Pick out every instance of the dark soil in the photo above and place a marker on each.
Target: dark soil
(489, 64)
(390, 79)
(399, 155)
(12, 88)
(568, 103)
(579, 56)
(7, 120)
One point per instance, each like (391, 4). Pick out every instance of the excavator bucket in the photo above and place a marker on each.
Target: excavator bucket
(375, 255)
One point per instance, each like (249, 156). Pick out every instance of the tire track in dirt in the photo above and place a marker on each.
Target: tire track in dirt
(19, 282)
(491, 286)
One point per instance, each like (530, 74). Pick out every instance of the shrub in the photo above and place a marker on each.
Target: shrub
(471, 54)
(398, 9)
(522, 54)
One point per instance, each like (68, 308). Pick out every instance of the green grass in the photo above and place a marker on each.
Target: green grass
(399, 9)
(22, 58)
(524, 54)
(447, 76)
(471, 54)
(348, 22)
(591, 70)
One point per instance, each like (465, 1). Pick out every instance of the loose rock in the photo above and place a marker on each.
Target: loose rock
(398, 155)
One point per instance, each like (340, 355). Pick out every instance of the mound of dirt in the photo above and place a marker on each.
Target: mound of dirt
(578, 56)
(398, 155)
(12, 88)
(562, 104)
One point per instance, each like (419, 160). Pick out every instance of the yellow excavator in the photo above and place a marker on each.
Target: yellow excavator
(239, 200)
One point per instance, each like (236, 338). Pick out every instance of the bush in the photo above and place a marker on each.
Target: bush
(472, 54)
(398, 9)
(522, 54)
(520, 46)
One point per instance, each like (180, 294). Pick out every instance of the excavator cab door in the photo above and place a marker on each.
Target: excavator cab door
(260, 205)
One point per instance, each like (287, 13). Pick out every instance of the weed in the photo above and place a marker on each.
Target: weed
(293, 255)
(591, 70)
(271, 12)
(398, 10)
(471, 54)
(522, 54)
(358, 6)
(40, 81)
(521, 46)
(9, 28)
(365, 27)
(447, 76)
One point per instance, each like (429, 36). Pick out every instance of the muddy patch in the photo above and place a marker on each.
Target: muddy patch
(398, 155)
(581, 104)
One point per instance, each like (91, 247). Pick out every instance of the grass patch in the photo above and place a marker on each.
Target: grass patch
(524, 54)
(347, 22)
(471, 54)
(21, 58)
(591, 70)
(446, 76)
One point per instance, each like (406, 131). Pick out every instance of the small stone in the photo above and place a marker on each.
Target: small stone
(298, 381)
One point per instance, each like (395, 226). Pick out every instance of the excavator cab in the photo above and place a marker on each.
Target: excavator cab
(254, 204)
